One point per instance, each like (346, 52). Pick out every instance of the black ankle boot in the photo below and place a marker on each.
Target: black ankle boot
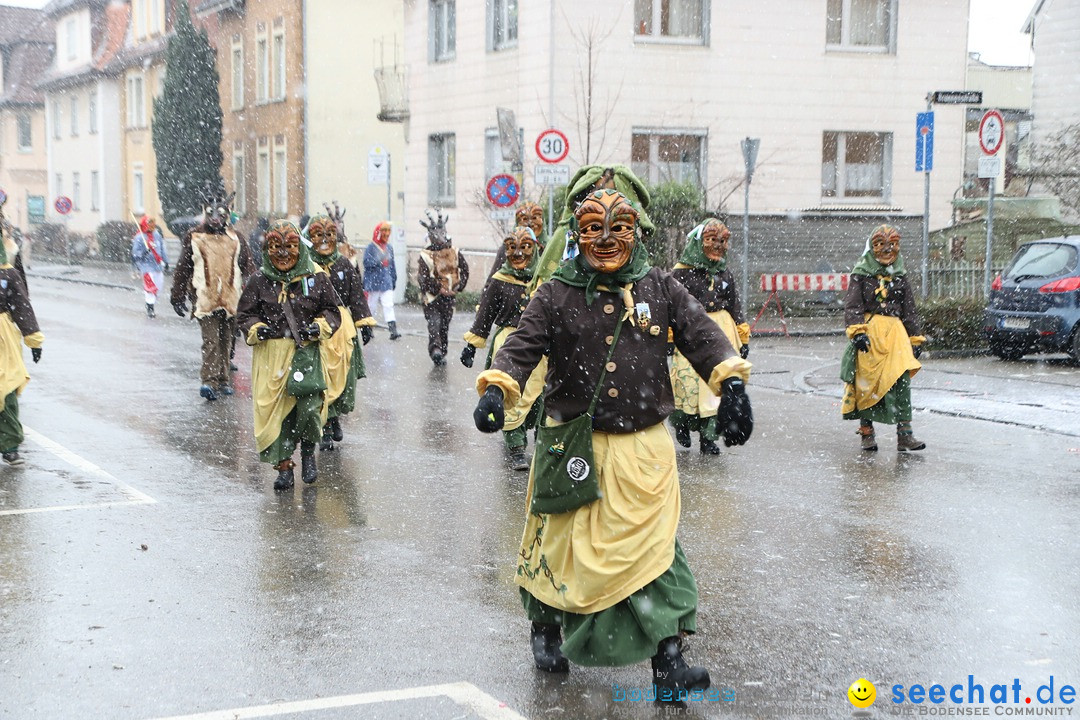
(285, 476)
(150, 311)
(327, 441)
(335, 429)
(546, 640)
(394, 334)
(309, 472)
(682, 435)
(708, 447)
(671, 671)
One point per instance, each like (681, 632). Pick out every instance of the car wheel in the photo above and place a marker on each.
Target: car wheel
(1074, 347)
(1006, 351)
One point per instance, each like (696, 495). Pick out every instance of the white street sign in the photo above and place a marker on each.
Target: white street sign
(551, 174)
(378, 166)
(503, 214)
(989, 166)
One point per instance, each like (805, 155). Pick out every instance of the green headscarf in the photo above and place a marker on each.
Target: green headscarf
(304, 265)
(324, 260)
(526, 273)
(578, 273)
(694, 252)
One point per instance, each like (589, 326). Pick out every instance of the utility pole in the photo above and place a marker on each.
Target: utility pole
(749, 150)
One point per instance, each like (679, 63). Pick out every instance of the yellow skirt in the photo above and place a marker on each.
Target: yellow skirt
(336, 354)
(534, 386)
(876, 371)
(13, 374)
(596, 556)
(692, 393)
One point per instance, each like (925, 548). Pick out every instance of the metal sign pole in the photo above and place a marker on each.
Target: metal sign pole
(749, 150)
(924, 285)
(989, 239)
(388, 187)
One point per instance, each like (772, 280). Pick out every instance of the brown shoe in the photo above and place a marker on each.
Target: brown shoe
(906, 442)
(869, 442)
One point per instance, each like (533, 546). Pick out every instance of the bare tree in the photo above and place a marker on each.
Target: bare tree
(590, 110)
(1055, 165)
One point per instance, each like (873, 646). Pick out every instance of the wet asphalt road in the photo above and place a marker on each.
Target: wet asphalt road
(148, 569)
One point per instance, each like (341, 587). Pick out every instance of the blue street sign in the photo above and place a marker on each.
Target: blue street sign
(924, 142)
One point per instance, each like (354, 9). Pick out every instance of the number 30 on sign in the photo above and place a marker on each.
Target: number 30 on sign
(552, 146)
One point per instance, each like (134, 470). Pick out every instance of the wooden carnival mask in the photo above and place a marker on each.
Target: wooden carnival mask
(885, 244)
(217, 210)
(520, 247)
(715, 240)
(531, 216)
(322, 232)
(607, 224)
(282, 241)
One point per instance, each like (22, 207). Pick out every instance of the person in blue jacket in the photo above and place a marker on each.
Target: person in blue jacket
(380, 275)
(148, 256)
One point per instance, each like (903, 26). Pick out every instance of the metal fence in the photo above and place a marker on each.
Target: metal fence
(957, 279)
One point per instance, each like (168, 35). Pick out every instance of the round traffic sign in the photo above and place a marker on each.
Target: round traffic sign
(62, 205)
(991, 132)
(552, 146)
(503, 190)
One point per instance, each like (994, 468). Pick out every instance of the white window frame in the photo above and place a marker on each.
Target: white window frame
(280, 173)
(71, 39)
(156, 15)
(95, 190)
(503, 23)
(136, 101)
(442, 161)
(841, 193)
(239, 181)
(262, 68)
(76, 190)
(74, 116)
(845, 44)
(92, 120)
(651, 174)
(138, 188)
(59, 182)
(237, 56)
(442, 30)
(140, 18)
(57, 118)
(262, 178)
(654, 35)
(23, 121)
(278, 69)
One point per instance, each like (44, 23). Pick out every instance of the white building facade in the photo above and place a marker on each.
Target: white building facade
(832, 89)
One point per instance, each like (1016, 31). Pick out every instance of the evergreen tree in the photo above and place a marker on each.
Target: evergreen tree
(187, 123)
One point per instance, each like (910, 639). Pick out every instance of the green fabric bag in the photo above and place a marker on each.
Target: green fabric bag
(847, 364)
(564, 468)
(306, 374)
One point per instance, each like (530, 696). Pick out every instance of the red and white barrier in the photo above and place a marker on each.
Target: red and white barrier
(779, 282)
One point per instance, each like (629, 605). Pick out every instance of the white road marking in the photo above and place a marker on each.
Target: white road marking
(462, 693)
(135, 497)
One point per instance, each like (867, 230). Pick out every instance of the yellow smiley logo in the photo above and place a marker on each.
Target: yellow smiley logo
(862, 693)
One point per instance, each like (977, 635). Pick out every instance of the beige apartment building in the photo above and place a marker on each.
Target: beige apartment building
(260, 60)
(671, 87)
(26, 38)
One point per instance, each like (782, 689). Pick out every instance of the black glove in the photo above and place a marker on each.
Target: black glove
(734, 417)
(309, 333)
(366, 333)
(166, 267)
(861, 342)
(744, 351)
(916, 351)
(265, 332)
(181, 308)
(671, 349)
(467, 354)
(35, 353)
(488, 415)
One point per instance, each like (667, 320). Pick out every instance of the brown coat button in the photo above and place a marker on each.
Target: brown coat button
(609, 308)
(613, 392)
(609, 339)
(611, 367)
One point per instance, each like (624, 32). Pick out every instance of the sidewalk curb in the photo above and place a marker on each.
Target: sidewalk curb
(79, 281)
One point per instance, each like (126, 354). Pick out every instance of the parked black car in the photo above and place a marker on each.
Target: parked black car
(1035, 303)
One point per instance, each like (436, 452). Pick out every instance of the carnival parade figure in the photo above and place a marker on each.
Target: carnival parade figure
(702, 269)
(502, 301)
(380, 275)
(528, 214)
(886, 341)
(599, 559)
(18, 326)
(286, 312)
(148, 256)
(214, 260)
(342, 358)
(441, 274)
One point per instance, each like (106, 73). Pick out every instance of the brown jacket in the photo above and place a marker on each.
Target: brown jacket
(349, 285)
(260, 304)
(714, 292)
(186, 286)
(636, 392)
(501, 304)
(899, 303)
(15, 300)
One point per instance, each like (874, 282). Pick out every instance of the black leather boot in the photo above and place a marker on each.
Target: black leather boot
(327, 441)
(150, 311)
(309, 472)
(671, 671)
(394, 334)
(546, 640)
(285, 475)
(708, 447)
(682, 435)
(517, 459)
(335, 429)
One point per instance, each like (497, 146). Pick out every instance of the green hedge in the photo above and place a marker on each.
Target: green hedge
(114, 240)
(953, 324)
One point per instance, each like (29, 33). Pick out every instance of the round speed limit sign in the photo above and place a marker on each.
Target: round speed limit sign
(552, 146)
